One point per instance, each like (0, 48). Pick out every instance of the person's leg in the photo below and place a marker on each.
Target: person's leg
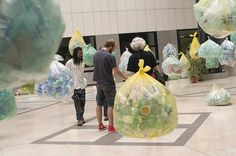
(77, 103)
(100, 99)
(105, 107)
(82, 102)
(110, 92)
(110, 115)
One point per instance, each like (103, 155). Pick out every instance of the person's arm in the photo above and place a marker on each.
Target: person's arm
(119, 73)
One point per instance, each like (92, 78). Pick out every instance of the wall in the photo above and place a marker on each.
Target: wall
(100, 17)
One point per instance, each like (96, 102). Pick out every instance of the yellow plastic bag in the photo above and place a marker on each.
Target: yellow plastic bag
(144, 108)
(27, 88)
(184, 61)
(195, 45)
(76, 41)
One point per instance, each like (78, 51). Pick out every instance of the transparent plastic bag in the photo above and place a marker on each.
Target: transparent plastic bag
(169, 50)
(144, 108)
(76, 41)
(30, 33)
(88, 53)
(184, 61)
(228, 53)
(218, 96)
(27, 88)
(7, 104)
(59, 83)
(172, 66)
(124, 59)
(195, 45)
(211, 51)
(216, 17)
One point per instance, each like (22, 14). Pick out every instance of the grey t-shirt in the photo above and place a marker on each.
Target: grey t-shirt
(103, 64)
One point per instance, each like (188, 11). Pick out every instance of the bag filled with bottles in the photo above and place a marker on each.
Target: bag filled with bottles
(169, 50)
(124, 59)
(59, 83)
(7, 104)
(30, 34)
(228, 56)
(216, 17)
(211, 51)
(218, 96)
(144, 108)
(172, 67)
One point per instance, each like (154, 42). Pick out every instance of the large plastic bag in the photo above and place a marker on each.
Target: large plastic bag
(185, 66)
(169, 50)
(218, 96)
(195, 45)
(76, 41)
(124, 59)
(144, 108)
(184, 61)
(172, 66)
(59, 83)
(216, 17)
(7, 104)
(30, 33)
(228, 56)
(88, 50)
(88, 53)
(211, 51)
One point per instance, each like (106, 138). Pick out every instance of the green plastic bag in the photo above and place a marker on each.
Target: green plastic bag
(88, 53)
(31, 31)
(211, 51)
(216, 17)
(144, 108)
(218, 96)
(7, 104)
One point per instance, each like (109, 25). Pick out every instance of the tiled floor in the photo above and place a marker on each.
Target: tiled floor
(47, 127)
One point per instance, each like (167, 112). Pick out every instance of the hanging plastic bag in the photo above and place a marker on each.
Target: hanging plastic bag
(59, 83)
(144, 108)
(216, 17)
(7, 104)
(169, 50)
(76, 41)
(218, 96)
(88, 53)
(172, 67)
(211, 51)
(195, 45)
(185, 66)
(31, 32)
(184, 61)
(124, 59)
(228, 53)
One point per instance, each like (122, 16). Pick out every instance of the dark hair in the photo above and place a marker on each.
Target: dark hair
(110, 43)
(76, 60)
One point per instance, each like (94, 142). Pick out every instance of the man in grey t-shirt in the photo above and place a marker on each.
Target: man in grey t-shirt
(104, 66)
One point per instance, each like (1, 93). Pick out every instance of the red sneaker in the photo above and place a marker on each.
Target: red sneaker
(111, 129)
(101, 127)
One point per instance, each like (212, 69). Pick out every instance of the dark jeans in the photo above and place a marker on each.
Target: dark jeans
(79, 101)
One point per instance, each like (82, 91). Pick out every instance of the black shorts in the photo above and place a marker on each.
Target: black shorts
(106, 91)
